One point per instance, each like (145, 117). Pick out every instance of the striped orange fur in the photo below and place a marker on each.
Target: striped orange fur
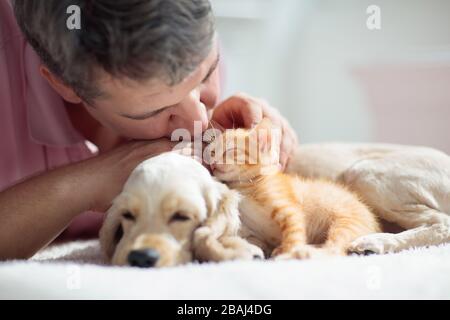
(313, 217)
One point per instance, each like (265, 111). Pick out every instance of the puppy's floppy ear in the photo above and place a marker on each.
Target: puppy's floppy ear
(223, 210)
(222, 220)
(111, 232)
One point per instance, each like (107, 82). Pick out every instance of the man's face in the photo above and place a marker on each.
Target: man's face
(154, 110)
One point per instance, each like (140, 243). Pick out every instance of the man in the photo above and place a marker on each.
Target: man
(133, 73)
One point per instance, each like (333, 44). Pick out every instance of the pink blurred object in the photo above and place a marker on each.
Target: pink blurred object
(84, 226)
(36, 134)
(410, 104)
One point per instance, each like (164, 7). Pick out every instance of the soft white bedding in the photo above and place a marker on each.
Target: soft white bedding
(75, 271)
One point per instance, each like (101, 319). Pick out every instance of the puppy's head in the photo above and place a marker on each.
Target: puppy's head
(152, 222)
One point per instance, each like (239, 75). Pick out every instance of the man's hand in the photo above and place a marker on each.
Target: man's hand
(59, 195)
(107, 173)
(244, 111)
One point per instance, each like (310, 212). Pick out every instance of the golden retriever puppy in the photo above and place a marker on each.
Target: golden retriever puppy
(408, 187)
(172, 211)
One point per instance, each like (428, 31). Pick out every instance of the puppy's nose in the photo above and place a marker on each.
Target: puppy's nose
(144, 258)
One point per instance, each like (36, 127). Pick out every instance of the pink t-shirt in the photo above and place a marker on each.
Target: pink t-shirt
(36, 133)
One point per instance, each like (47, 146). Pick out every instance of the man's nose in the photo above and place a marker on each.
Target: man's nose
(191, 109)
(144, 258)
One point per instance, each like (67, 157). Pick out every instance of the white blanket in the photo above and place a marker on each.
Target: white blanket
(75, 271)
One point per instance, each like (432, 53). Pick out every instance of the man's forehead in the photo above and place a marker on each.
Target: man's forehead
(142, 95)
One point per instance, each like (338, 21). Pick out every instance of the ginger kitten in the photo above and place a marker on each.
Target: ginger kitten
(294, 217)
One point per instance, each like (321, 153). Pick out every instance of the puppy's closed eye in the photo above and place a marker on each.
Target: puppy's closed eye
(118, 234)
(178, 217)
(128, 216)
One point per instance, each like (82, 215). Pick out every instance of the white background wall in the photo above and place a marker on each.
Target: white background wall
(301, 54)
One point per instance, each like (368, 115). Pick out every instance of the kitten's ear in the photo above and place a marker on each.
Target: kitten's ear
(262, 133)
(268, 139)
(265, 123)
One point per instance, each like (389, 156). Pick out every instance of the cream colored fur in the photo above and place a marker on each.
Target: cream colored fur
(161, 187)
(407, 186)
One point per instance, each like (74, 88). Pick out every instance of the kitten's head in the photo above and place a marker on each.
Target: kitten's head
(243, 154)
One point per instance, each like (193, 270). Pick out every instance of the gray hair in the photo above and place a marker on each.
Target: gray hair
(134, 39)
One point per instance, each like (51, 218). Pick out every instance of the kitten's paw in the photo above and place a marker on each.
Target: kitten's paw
(377, 243)
(297, 252)
(334, 251)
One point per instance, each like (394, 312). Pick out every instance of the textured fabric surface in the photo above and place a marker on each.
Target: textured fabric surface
(75, 270)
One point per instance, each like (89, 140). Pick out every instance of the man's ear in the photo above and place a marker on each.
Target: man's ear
(63, 90)
(111, 232)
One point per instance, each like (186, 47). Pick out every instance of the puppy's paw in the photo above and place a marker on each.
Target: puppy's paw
(377, 243)
(238, 248)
